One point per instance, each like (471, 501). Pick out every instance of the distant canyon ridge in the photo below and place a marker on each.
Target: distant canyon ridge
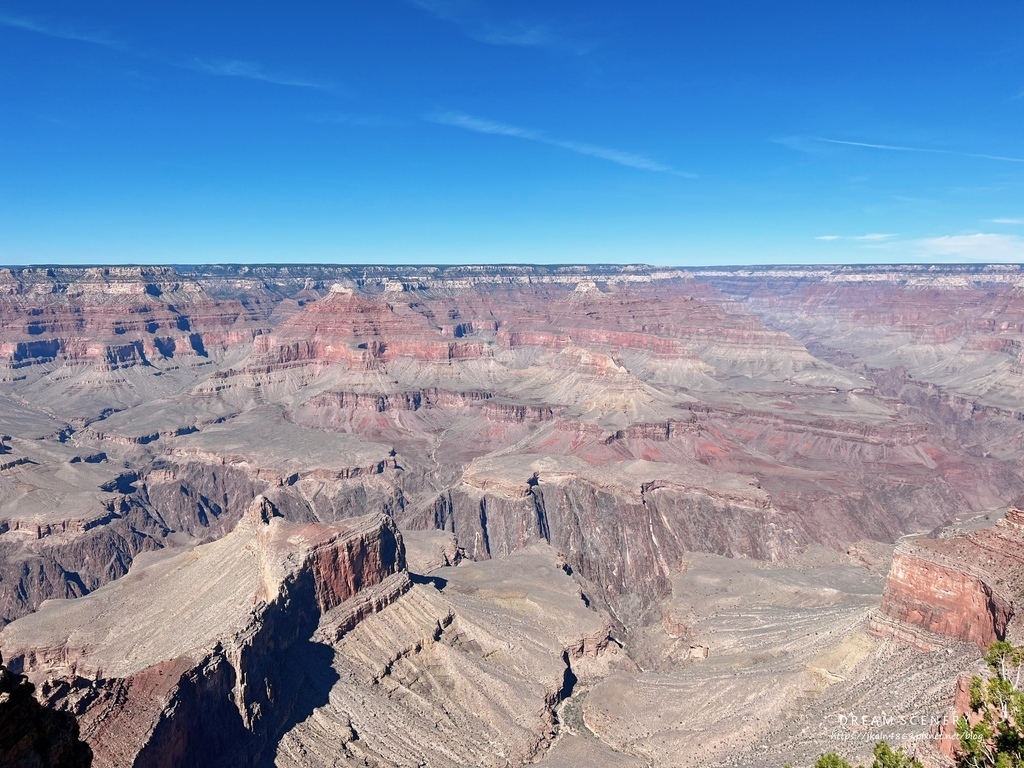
(527, 476)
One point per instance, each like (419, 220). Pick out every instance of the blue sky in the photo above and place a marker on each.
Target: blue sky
(466, 131)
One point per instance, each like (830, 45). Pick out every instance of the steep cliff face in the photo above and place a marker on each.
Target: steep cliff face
(951, 600)
(32, 736)
(619, 419)
(393, 384)
(66, 565)
(73, 517)
(467, 670)
(185, 661)
(115, 317)
(67, 525)
(222, 467)
(964, 588)
(623, 530)
(98, 340)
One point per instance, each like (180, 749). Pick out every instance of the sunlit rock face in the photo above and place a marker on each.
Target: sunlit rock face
(964, 587)
(206, 384)
(186, 659)
(605, 427)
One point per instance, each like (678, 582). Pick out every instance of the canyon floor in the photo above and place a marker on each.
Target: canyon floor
(442, 516)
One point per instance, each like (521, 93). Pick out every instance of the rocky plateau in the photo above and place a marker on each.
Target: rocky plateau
(441, 516)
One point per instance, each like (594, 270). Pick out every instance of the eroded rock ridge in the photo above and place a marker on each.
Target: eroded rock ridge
(605, 427)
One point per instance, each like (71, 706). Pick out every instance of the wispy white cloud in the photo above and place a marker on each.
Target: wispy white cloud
(58, 30)
(470, 18)
(980, 247)
(220, 67)
(628, 159)
(791, 142)
(449, 10)
(914, 200)
(523, 35)
(482, 125)
(1006, 221)
(250, 70)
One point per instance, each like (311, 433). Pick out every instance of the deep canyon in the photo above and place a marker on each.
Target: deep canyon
(579, 515)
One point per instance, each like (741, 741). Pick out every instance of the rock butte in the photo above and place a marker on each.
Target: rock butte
(647, 513)
(965, 586)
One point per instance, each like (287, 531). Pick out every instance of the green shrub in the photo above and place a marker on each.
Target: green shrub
(995, 740)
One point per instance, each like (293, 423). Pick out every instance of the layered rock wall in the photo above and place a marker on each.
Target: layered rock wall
(961, 588)
(202, 692)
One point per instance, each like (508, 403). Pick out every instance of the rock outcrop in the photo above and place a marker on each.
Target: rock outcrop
(404, 379)
(965, 588)
(114, 317)
(585, 434)
(32, 736)
(193, 659)
(622, 529)
(468, 669)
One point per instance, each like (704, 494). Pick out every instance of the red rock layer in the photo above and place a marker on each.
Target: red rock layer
(115, 317)
(362, 331)
(956, 588)
(222, 704)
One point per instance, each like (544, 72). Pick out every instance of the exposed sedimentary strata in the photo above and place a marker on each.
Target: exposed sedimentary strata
(110, 337)
(624, 530)
(329, 478)
(758, 667)
(192, 658)
(957, 327)
(73, 517)
(66, 526)
(313, 630)
(627, 417)
(446, 366)
(965, 587)
(465, 671)
(114, 316)
(926, 598)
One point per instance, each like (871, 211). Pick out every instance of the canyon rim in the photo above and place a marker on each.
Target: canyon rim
(579, 515)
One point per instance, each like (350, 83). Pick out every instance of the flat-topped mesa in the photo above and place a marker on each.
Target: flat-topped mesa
(290, 279)
(198, 658)
(965, 588)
